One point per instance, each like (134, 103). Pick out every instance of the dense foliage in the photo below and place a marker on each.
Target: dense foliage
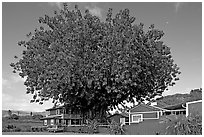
(116, 128)
(93, 65)
(182, 125)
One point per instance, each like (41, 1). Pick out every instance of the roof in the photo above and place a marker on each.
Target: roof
(192, 102)
(53, 108)
(122, 114)
(176, 106)
(144, 108)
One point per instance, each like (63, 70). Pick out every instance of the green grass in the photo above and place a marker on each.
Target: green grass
(22, 124)
(41, 133)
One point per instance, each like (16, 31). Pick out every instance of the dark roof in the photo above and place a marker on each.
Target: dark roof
(176, 106)
(53, 108)
(122, 114)
(144, 108)
(159, 104)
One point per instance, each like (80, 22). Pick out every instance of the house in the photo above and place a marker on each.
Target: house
(121, 118)
(62, 115)
(194, 107)
(142, 112)
(154, 111)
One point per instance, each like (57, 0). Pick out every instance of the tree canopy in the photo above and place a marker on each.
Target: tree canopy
(92, 64)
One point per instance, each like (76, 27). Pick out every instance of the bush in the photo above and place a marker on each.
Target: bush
(38, 116)
(5, 129)
(195, 124)
(92, 126)
(17, 129)
(11, 127)
(14, 116)
(182, 125)
(116, 128)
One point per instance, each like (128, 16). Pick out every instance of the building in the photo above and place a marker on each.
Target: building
(194, 107)
(121, 118)
(142, 112)
(62, 115)
(153, 111)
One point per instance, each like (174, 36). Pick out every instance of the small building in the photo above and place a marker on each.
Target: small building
(194, 107)
(121, 118)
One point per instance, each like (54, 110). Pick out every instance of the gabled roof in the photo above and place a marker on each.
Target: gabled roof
(122, 114)
(144, 108)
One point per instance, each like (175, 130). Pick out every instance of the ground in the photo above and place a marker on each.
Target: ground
(41, 133)
(148, 127)
(23, 123)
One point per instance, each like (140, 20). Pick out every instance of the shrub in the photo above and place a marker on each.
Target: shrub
(11, 126)
(116, 128)
(92, 126)
(5, 129)
(14, 116)
(182, 125)
(37, 116)
(195, 124)
(17, 129)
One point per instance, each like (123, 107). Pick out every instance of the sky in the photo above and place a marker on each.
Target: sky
(181, 23)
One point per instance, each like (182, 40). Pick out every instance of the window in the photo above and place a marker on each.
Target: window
(45, 122)
(52, 122)
(136, 118)
(127, 120)
(58, 111)
(57, 121)
(60, 121)
(61, 111)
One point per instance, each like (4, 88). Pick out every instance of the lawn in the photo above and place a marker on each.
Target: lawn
(41, 133)
(147, 127)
